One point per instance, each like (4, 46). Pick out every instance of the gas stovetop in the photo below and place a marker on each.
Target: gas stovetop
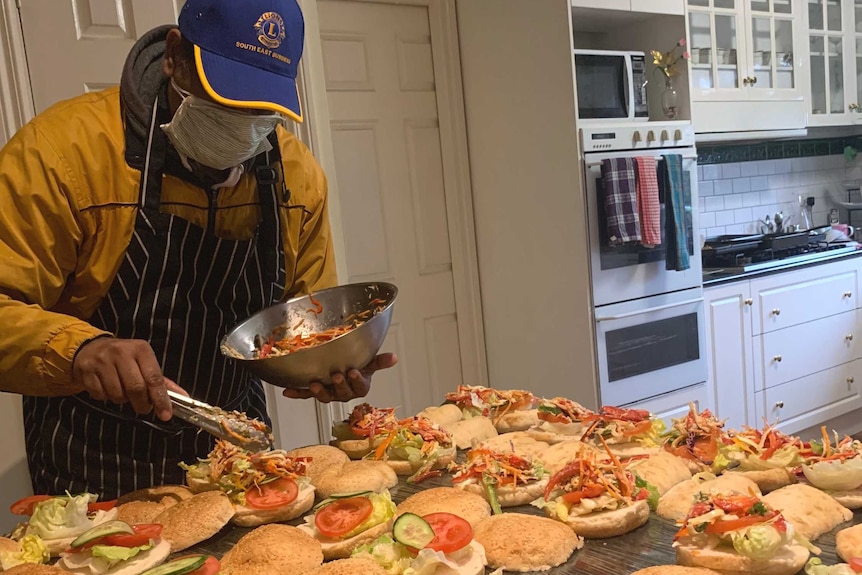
(763, 259)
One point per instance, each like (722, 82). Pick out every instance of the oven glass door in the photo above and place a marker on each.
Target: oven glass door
(633, 271)
(602, 86)
(650, 347)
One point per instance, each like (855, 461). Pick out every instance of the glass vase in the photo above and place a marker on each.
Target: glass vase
(669, 99)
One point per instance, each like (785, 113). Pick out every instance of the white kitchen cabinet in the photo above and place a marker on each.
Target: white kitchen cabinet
(835, 59)
(676, 7)
(729, 352)
(675, 404)
(785, 346)
(745, 62)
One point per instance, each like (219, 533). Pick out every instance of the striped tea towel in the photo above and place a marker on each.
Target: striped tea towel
(649, 208)
(676, 231)
(621, 210)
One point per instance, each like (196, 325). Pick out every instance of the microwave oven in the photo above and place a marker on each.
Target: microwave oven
(611, 85)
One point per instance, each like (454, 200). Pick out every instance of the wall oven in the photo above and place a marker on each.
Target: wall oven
(649, 320)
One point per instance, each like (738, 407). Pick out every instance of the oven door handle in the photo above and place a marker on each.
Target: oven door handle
(650, 310)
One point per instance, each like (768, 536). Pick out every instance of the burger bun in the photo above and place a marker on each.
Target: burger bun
(788, 561)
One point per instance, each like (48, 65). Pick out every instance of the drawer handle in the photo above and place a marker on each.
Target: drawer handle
(776, 311)
(848, 294)
(777, 358)
(851, 379)
(749, 301)
(849, 337)
(779, 404)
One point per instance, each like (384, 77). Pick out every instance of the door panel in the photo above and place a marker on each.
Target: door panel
(80, 45)
(381, 86)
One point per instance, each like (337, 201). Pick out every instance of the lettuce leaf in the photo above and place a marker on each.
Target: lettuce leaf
(388, 553)
(32, 550)
(65, 516)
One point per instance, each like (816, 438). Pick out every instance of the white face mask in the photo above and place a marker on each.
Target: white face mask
(217, 136)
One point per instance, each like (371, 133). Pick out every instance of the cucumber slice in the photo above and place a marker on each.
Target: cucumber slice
(413, 531)
(337, 496)
(178, 566)
(102, 530)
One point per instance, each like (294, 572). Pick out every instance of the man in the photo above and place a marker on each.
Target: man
(137, 225)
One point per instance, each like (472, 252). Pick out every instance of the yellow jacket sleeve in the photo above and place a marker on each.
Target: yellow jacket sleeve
(39, 240)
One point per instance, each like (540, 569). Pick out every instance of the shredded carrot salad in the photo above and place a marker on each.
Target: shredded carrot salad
(491, 402)
(368, 421)
(562, 410)
(833, 449)
(618, 424)
(234, 469)
(589, 476)
(697, 436)
(503, 467)
(279, 343)
(760, 443)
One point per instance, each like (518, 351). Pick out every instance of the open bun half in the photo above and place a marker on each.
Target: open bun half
(517, 442)
(674, 570)
(402, 467)
(848, 542)
(443, 415)
(603, 524)
(467, 432)
(510, 496)
(811, 511)
(662, 470)
(34, 569)
(675, 504)
(249, 517)
(79, 562)
(353, 566)
(520, 420)
(342, 548)
(788, 561)
(769, 479)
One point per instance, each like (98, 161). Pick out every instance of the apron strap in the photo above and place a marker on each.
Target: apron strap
(270, 185)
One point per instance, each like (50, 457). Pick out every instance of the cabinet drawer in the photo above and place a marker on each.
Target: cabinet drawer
(799, 302)
(811, 400)
(797, 351)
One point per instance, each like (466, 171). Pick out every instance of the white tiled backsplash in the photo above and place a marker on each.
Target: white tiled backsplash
(733, 197)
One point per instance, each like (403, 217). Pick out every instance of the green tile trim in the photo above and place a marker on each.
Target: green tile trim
(725, 153)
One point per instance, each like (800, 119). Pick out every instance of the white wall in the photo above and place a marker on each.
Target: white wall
(528, 199)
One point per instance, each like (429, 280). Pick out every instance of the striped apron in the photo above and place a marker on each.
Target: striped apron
(180, 288)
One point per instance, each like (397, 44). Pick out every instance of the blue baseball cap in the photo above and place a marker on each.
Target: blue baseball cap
(247, 51)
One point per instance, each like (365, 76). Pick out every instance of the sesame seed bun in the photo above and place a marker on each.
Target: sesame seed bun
(322, 457)
(362, 475)
(272, 549)
(354, 566)
(194, 520)
(141, 511)
(7, 544)
(160, 494)
(788, 561)
(356, 448)
(469, 506)
(520, 542)
(675, 570)
(342, 548)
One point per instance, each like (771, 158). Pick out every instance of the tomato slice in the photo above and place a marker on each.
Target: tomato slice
(272, 495)
(342, 516)
(734, 524)
(451, 532)
(102, 506)
(25, 506)
(142, 535)
(210, 567)
(638, 428)
(856, 564)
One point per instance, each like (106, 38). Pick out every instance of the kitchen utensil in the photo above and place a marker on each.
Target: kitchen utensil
(235, 427)
(778, 242)
(371, 303)
(779, 222)
(766, 225)
(806, 205)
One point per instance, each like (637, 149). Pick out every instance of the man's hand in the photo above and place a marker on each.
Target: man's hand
(356, 384)
(124, 370)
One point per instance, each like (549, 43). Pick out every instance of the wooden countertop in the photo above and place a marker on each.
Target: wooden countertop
(646, 546)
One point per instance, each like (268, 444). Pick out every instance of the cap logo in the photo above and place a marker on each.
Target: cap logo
(270, 30)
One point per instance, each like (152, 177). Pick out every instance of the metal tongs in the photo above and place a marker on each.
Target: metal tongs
(230, 426)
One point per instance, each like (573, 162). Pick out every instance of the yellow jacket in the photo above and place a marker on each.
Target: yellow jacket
(68, 202)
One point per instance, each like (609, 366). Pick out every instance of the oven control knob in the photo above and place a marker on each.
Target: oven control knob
(650, 136)
(677, 135)
(636, 137)
(664, 135)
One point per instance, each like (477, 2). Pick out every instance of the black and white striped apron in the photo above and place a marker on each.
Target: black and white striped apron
(180, 288)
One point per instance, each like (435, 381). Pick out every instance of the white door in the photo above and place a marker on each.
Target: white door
(383, 98)
(729, 341)
(81, 45)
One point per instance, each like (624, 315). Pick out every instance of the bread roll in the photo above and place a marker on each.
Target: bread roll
(768, 479)
(272, 549)
(341, 548)
(508, 495)
(353, 476)
(520, 542)
(662, 470)
(808, 509)
(194, 520)
(465, 504)
(354, 566)
(471, 431)
(788, 561)
(322, 458)
(558, 455)
(848, 542)
(674, 570)
(250, 517)
(520, 420)
(443, 415)
(610, 523)
(674, 504)
(518, 442)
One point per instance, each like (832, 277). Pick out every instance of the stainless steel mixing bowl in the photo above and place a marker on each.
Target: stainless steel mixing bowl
(354, 349)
